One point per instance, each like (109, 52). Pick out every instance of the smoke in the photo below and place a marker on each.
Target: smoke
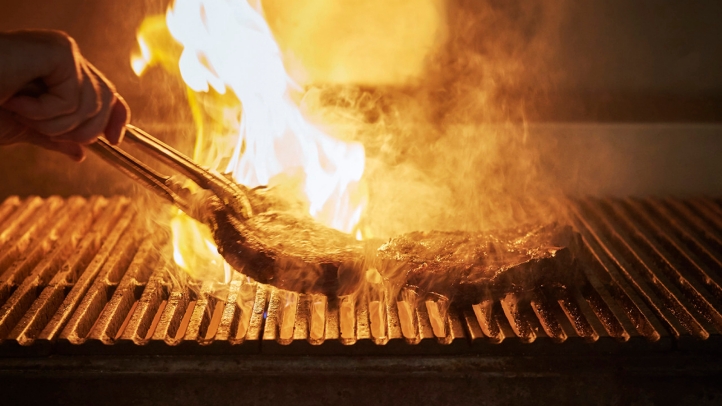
(436, 103)
(451, 149)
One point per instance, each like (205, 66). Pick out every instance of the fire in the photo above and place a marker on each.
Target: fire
(229, 60)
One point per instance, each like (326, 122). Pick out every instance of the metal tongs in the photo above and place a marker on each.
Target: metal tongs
(232, 195)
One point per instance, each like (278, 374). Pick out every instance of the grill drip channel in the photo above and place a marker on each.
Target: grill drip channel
(85, 276)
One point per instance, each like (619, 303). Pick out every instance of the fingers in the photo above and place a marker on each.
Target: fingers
(10, 130)
(88, 130)
(100, 111)
(54, 57)
(78, 104)
(90, 102)
(119, 112)
(119, 118)
(13, 132)
(74, 150)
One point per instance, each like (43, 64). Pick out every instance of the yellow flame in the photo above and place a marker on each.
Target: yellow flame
(227, 44)
(194, 251)
(223, 45)
(372, 42)
(140, 61)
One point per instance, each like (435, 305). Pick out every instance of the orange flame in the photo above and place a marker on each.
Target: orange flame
(227, 45)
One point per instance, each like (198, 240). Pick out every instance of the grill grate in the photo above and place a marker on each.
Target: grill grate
(85, 276)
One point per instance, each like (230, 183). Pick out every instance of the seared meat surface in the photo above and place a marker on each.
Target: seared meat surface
(297, 253)
(285, 251)
(471, 265)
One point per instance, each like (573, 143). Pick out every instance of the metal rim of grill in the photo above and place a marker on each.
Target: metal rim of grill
(84, 276)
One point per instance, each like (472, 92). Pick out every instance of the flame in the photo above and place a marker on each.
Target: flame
(370, 42)
(140, 61)
(227, 56)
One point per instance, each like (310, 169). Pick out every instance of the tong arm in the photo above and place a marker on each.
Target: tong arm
(161, 185)
(230, 193)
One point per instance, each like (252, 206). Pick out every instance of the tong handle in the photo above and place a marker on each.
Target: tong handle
(230, 193)
(141, 173)
(167, 154)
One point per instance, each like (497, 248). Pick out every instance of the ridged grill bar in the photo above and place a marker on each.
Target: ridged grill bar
(86, 276)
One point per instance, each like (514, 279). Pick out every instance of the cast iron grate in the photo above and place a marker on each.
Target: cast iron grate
(84, 276)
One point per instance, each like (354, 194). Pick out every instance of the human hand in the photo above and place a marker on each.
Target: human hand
(72, 103)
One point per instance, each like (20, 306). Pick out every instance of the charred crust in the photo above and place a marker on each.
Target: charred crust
(301, 255)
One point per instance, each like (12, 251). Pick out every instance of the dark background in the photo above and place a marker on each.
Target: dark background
(610, 77)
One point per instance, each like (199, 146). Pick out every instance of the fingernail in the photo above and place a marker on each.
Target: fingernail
(121, 135)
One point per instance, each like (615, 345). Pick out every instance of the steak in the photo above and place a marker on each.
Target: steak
(468, 266)
(296, 253)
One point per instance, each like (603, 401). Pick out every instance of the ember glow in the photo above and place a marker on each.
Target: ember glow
(229, 60)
